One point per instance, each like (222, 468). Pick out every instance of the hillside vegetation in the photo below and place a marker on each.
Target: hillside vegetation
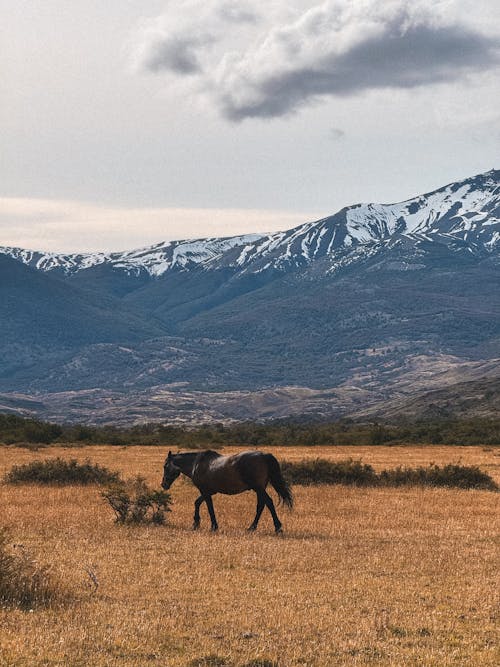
(477, 431)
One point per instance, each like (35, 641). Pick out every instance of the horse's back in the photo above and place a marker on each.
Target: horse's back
(205, 458)
(231, 474)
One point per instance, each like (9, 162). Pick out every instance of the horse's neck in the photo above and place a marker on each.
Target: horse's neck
(185, 462)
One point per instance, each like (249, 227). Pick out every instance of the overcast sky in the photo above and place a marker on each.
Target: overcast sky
(128, 122)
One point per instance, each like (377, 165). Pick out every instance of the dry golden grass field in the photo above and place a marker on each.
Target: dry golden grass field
(405, 576)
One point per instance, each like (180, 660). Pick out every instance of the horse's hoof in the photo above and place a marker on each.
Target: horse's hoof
(252, 529)
(279, 531)
(214, 529)
(196, 526)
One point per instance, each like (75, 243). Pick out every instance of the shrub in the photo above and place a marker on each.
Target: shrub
(458, 476)
(23, 583)
(322, 471)
(218, 661)
(210, 661)
(59, 471)
(133, 501)
(42, 432)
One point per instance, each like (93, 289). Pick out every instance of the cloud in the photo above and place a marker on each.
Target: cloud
(236, 12)
(337, 48)
(72, 226)
(177, 41)
(175, 53)
(336, 134)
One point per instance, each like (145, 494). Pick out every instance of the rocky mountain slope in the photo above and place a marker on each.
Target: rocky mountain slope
(363, 299)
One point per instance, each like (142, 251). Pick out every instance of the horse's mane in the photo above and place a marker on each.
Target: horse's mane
(184, 458)
(208, 454)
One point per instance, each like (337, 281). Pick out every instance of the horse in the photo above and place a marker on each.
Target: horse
(213, 473)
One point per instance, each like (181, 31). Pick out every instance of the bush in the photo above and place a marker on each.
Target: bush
(133, 501)
(210, 661)
(462, 477)
(23, 583)
(59, 471)
(41, 432)
(322, 471)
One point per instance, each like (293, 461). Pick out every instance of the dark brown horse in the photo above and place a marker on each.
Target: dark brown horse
(213, 473)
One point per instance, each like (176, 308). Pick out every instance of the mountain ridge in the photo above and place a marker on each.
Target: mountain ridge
(377, 298)
(437, 213)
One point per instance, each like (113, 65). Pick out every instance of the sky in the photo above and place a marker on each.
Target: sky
(129, 122)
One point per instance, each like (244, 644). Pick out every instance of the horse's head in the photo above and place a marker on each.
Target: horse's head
(170, 472)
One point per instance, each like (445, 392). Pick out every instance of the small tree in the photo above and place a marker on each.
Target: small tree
(133, 501)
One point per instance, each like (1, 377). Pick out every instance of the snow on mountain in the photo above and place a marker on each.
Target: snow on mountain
(156, 259)
(467, 212)
(460, 210)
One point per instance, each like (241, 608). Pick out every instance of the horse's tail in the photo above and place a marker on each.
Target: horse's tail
(278, 482)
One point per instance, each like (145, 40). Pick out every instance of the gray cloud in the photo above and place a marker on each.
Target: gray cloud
(177, 54)
(235, 12)
(336, 134)
(336, 48)
(179, 40)
(321, 55)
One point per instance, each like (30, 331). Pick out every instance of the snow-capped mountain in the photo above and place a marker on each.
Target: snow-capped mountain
(155, 260)
(372, 301)
(462, 214)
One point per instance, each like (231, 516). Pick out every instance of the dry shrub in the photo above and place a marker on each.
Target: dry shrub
(210, 661)
(322, 471)
(451, 475)
(218, 661)
(23, 582)
(60, 472)
(133, 501)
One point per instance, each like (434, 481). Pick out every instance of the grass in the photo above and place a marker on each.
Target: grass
(23, 582)
(362, 576)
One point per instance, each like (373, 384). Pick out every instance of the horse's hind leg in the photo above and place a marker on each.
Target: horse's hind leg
(261, 501)
(210, 505)
(196, 519)
(269, 502)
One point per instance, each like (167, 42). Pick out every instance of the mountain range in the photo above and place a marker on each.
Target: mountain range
(367, 308)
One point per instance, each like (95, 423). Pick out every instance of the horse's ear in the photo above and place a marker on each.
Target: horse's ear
(169, 454)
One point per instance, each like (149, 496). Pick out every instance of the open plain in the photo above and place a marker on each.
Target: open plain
(361, 576)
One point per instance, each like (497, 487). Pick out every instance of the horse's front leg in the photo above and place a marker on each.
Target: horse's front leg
(196, 518)
(210, 505)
